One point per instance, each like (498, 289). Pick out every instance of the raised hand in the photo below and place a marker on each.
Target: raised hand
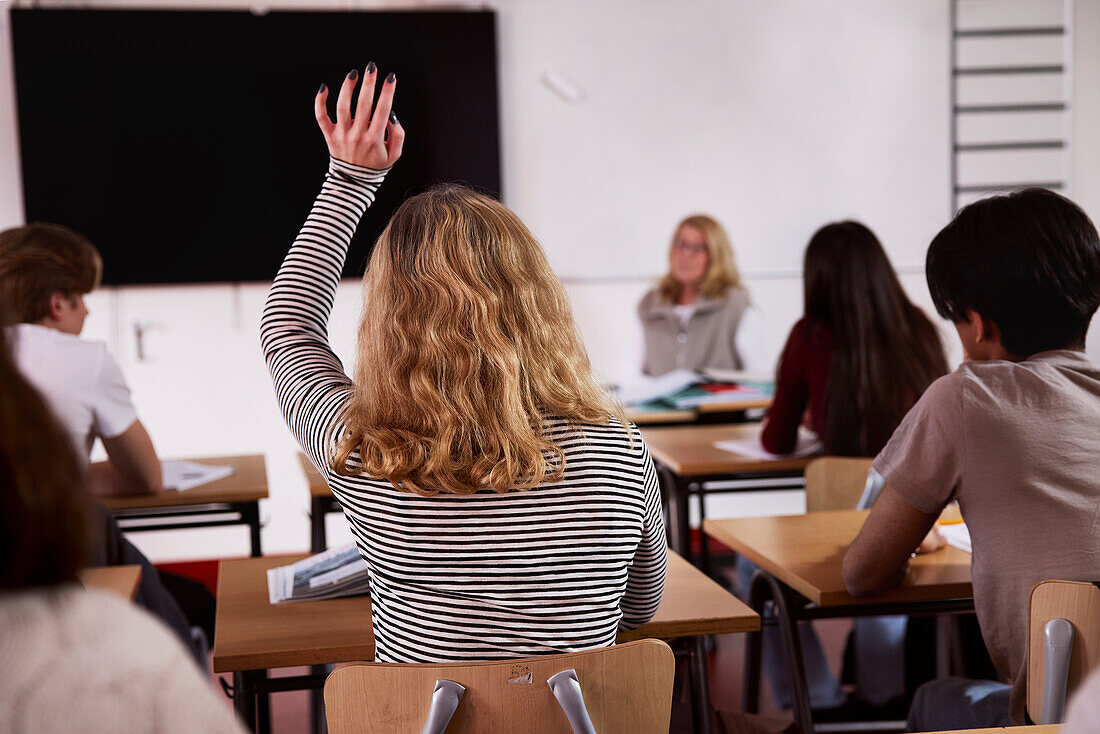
(373, 137)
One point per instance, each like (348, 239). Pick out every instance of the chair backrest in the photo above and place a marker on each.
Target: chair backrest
(1079, 603)
(626, 688)
(835, 483)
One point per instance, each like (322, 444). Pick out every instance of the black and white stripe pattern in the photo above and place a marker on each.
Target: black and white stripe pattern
(556, 568)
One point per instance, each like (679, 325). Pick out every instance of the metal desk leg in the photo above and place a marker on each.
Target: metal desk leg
(700, 686)
(704, 549)
(765, 587)
(317, 538)
(263, 706)
(750, 692)
(250, 513)
(678, 511)
(244, 698)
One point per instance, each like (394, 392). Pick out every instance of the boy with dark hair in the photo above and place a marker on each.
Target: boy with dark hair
(45, 272)
(1013, 434)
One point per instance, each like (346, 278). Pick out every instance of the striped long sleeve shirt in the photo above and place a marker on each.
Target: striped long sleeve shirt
(555, 568)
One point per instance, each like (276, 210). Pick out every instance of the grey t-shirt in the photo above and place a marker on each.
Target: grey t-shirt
(1018, 445)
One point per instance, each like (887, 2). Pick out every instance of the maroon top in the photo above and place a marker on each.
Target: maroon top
(800, 388)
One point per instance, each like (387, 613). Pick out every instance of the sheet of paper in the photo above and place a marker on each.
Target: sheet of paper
(807, 444)
(644, 389)
(185, 475)
(957, 535)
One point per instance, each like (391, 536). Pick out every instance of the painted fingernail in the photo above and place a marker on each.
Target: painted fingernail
(371, 68)
(353, 74)
(391, 78)
(321, 90)
(393, 118)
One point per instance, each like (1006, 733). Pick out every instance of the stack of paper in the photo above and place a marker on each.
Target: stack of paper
(647, 389)
(184, 475)
(336, 572)
(684, 389)
(698, 395)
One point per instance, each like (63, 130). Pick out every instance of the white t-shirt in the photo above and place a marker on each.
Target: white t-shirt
(80, 381)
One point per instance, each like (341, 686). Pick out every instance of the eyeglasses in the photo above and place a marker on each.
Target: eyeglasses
(694, 248)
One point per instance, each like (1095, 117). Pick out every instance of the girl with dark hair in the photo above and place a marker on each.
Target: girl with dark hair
(860, 356)
(74, 660)
(852, 367)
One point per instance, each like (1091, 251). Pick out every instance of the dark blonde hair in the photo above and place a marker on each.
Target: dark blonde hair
(466, 345)
(43, 508)
(722, 273)
(38, 260)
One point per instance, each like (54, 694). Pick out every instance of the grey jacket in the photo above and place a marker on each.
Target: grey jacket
(707, 340)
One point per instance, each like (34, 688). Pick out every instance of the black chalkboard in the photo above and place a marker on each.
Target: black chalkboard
(183, 144)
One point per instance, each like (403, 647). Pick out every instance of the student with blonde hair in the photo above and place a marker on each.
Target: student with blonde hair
(503, 506)
(699, 314)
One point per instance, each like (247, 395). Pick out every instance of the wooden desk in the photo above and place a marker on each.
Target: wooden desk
(687, 458)
(646, 415)
(805, 552)
(252, 635)
(799, 559)
(121, 580)
(239, 494)
(649, 414)
(734, 405)
(1033, 729)
(321, 503)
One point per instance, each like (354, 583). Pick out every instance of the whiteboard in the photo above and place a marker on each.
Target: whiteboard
(775, 117)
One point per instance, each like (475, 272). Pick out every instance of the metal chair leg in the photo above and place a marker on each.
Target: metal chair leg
(764, 585)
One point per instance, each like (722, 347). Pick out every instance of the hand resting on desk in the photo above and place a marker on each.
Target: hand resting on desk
(878, 559)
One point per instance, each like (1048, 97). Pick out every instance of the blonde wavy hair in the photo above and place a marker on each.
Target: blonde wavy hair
(466, 345)
(722, 272)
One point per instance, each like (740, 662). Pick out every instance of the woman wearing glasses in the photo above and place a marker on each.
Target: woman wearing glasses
(699, 314)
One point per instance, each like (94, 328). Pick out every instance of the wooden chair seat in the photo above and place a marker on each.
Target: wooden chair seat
(626, 688)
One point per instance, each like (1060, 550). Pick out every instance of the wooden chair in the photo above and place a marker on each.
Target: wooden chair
(1063, 644)
(835, 483)
(626, 688)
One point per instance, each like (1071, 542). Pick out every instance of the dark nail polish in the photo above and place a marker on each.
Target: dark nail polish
(353, 74)
(393, 118)
(371, 68)
(391, 78)
(321, 90)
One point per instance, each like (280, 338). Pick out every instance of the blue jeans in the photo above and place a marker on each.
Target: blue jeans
(825, 691)
(879, 651)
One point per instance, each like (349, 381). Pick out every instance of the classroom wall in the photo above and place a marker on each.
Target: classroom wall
(759, 141)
